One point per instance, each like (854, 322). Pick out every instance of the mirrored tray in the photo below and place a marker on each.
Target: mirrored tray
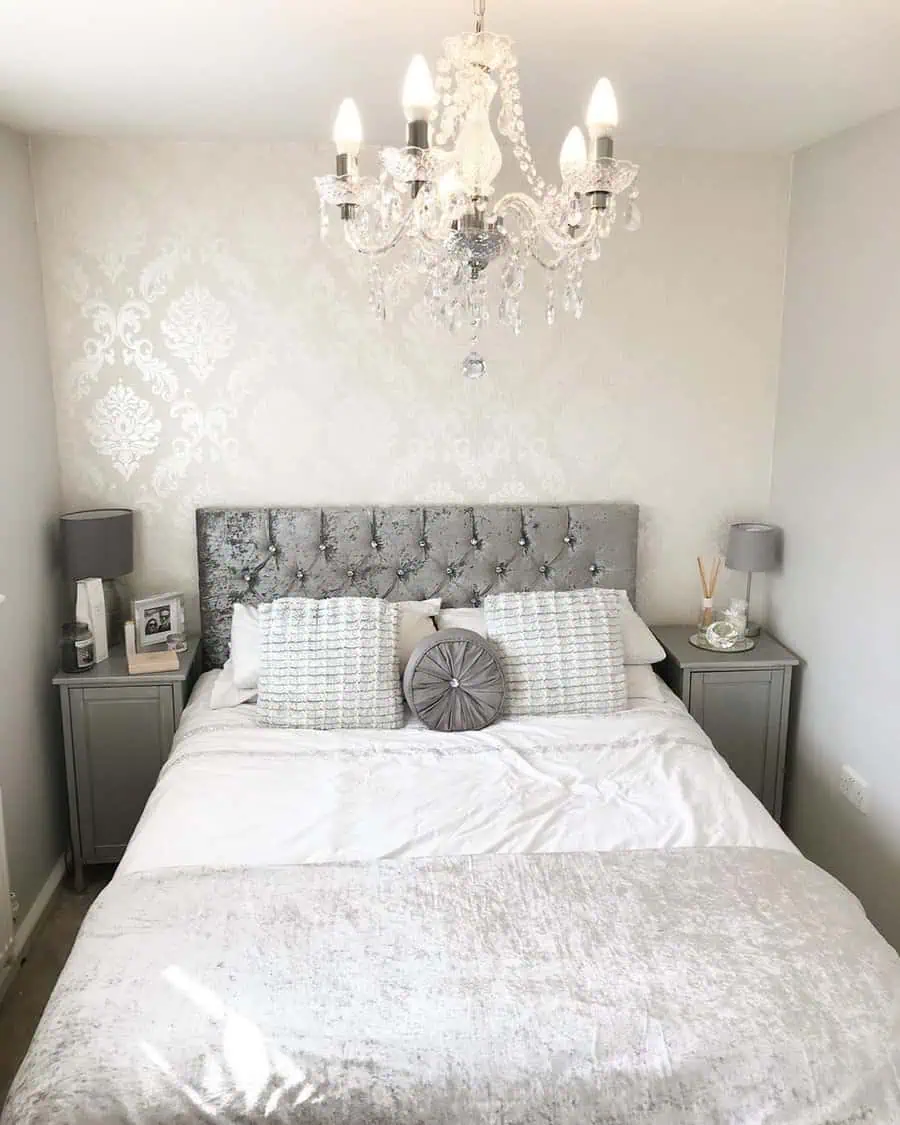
(699, 641)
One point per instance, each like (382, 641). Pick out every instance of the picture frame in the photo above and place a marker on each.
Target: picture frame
(156, 619)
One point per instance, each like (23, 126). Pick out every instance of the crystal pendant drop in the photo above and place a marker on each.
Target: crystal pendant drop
(633, 216)
(551, 304)
(473, 366)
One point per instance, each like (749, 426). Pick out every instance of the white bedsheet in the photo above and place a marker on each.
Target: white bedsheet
(235, 795)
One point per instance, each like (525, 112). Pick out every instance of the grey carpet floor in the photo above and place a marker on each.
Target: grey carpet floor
(21, 1007)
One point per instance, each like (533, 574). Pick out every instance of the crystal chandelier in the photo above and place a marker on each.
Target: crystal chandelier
(431, 216)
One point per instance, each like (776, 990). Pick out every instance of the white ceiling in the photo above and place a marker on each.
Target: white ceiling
(731, 74)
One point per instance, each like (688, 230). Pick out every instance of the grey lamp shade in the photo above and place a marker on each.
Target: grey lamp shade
(98, 543)
(753, 546)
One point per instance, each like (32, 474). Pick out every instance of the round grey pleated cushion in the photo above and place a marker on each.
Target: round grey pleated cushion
(454, 681)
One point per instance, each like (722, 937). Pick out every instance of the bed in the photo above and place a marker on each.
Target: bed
(553, 920)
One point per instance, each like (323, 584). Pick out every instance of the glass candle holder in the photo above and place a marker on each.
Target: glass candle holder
(76, 647)
(177, 642)
(737, 615)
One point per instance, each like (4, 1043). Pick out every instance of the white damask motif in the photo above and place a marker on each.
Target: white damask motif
(204, 427)
(123, 428)
(137, 351)
(159, 271)
(198, 329)
(98, 349)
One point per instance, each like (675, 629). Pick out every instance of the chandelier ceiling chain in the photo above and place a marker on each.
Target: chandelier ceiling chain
(478, 7)
(431, 216)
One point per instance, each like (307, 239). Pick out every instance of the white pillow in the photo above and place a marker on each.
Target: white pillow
(643, 683)
(244, 656)
(225, 693)
(242, 666)
(640, 646)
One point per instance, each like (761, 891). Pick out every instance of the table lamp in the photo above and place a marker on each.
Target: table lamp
(99, 543)
(753, 546)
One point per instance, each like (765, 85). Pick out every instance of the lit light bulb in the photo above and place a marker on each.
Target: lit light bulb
(573, 154)
(603, 113)
(418, 91)
(347, 131)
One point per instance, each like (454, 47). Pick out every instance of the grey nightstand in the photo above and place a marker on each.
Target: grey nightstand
(742, 701)
(118, 731)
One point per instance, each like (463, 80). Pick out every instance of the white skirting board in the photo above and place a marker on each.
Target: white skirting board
(29, 923)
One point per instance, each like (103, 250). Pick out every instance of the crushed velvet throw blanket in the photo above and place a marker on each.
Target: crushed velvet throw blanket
(712, 986)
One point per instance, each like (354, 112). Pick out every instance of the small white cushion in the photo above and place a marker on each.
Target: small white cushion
(463, 618)
(416, 623)
(639, 644)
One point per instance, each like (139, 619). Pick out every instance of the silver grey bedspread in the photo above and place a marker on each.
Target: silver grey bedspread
(715, 985)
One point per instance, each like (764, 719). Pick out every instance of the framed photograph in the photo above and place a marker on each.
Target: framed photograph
(155, 619)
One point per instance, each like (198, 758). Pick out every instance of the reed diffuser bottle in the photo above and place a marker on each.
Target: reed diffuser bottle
(708, 581)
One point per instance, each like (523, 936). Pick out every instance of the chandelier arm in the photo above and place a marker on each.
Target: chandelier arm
(563, 245)
(381, 248)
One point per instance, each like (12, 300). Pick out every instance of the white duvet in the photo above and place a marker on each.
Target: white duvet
(233, 794)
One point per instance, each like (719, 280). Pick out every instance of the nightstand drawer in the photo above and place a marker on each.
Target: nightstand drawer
(120, 739)
(741, 712)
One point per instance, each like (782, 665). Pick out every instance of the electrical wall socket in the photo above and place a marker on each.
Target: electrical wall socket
(855, 789)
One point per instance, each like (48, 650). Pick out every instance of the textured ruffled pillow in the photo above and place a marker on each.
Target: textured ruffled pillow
(562, 651)
(639, 644)
(329, 664)
(454, 681)
(237, 682)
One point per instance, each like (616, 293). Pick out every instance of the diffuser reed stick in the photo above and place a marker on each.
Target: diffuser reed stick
(708, 581)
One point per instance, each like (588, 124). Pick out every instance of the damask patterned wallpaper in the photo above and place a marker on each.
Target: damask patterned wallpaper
(207, 348)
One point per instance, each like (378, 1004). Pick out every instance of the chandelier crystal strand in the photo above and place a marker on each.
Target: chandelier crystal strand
(432, 213)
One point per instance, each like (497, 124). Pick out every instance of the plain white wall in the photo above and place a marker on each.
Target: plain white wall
(836, 491)
(207, 348)
(31, 761)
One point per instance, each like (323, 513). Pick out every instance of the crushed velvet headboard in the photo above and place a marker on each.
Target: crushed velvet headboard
(457, 553)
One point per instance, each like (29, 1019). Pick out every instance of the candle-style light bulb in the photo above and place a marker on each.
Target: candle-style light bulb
(418, 96)
(573, 154)
(348, 133)
(603, 114)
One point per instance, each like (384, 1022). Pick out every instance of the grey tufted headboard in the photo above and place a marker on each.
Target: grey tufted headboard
(457, 553)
